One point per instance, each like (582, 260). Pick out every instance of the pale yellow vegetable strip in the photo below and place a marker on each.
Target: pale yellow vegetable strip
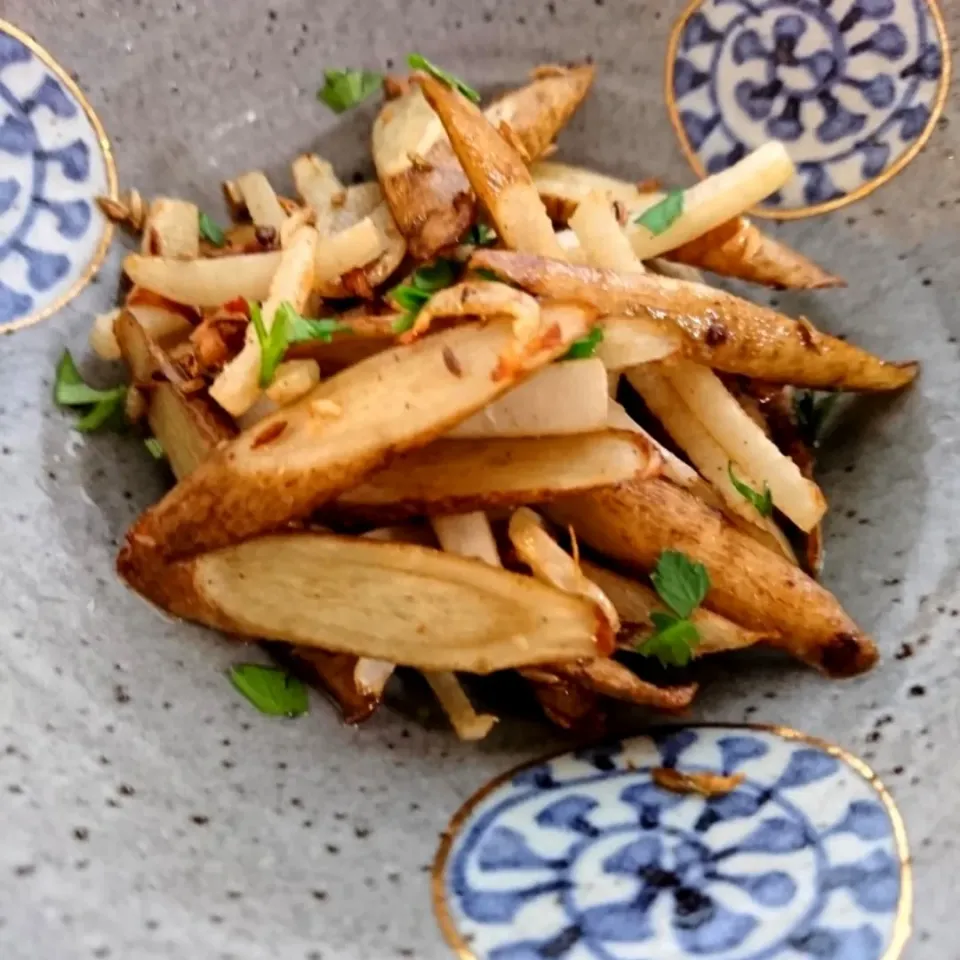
(348, 250)
(469, 535)
(565, 397)
(172, 229)
(792, 494)
(599, 233)
(204, 283)
(718, 199)
(260, 200)
(745, 443)
(628, 341)
(674, 469)
(552, 564)
(704, 451)
(237, 387)
(319, 187)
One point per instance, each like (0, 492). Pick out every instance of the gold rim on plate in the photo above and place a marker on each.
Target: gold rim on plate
(96, 261)
(798, 213)
(902, 923)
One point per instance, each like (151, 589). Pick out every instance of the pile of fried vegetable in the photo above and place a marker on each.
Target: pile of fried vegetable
(482, 414)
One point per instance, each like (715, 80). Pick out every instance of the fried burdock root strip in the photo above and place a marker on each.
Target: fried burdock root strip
(411, 605)
(635, 522)
(496, 172)
(721, 330)
(292, 462)
(189, 428)
(422, 179)
(636, 601)
(566, 703)
(733, 248)
(738, 249)
(459, 476)
(550, 563)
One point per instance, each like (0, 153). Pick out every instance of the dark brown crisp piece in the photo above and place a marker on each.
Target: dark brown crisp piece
(704, 784)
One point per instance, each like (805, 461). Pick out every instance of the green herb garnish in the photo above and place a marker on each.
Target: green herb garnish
(585, 347)
(343, 89)
(417, 61)
(302, 329)
(762, 502)
(288, 327)
(273, 343)
(101, 407)
(673, 641)
(271, 690)
(423, 284)
(155, 448)
(210, 231)
(480, 235)
(682, 585)
(661, 216)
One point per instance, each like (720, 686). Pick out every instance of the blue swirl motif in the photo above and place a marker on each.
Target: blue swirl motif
(51, 167)
(847, 85)
(585, 857)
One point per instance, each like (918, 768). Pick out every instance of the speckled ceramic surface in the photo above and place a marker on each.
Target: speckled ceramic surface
(588, 855)
(147, 810)
(54, 160)
(852, 87)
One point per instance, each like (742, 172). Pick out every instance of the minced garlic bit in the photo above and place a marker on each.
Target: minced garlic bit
(325, 408)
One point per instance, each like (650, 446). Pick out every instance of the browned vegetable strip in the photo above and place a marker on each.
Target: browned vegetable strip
(422, 180)
(496, 172)
(722, 331)
(537, 112)
(292, 462)
(188, 427)
(635, 522)
(613, 679)
(459, 476)
(738, 249)
(635, 601)
(570, 705)
(413, 605)
(335, 673)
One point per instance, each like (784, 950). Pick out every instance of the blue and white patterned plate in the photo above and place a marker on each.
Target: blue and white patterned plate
(54, 160)
(853, 88)
(584, 857)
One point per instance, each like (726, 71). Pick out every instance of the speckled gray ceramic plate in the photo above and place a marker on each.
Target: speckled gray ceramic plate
(147, 811)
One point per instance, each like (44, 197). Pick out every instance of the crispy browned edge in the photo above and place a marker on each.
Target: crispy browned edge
(382, 514)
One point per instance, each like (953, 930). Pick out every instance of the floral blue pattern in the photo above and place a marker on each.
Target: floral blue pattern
(584, 857)
(52, 165)
(849, 86)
